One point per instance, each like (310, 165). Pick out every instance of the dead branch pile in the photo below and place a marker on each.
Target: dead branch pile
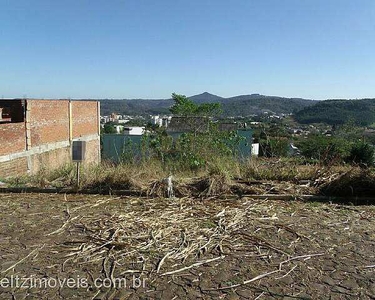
(176, 233)
(167, 237)
(217, 185)
(203, 187)
(213, 185)
(160, 188)
(355, 182)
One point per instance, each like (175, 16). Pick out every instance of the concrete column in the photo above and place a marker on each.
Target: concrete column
(98, 116)
(70, 122)
(98, 120)
(28, 125)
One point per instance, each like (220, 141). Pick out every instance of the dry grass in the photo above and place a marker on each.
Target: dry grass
(255, 176)
(286, 170)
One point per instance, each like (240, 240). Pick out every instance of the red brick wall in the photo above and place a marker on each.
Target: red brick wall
(12, 138)
(85, 120)
(13, 167)
(49, 121)
(92, 152)
(50, 160)
(62, 156)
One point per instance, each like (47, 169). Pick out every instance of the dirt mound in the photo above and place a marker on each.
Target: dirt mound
(111, 182)
(352, 183)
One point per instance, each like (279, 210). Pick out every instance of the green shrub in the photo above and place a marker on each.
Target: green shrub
(109, 128)
(274, 147)
(361, 153)
(326, 149)
(192, 151)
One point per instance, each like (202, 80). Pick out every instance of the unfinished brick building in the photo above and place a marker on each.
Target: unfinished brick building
(36, 134)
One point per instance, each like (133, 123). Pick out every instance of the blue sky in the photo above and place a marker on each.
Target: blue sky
(148, 49)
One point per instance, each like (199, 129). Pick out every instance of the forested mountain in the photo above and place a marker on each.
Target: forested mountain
(135, 106)
(243, 105)
(206, 98)
(334, 112)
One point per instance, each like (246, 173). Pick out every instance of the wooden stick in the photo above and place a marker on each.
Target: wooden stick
(245, 282)
(193, 265)
(266, 274)
(63, 226)
(162, 260)
(23, 259)
(370, 267)
(299, 257)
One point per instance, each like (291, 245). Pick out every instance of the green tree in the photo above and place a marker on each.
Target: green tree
(327, 149)
(349, 131)
(109, 128)
(361, 153)
(183, 106)
(274, 147)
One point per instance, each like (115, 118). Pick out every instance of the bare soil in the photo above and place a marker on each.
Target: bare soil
(186, 248)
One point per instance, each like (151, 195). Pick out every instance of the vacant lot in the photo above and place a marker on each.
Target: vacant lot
(183, 249)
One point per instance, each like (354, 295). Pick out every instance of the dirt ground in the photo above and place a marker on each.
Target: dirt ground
(129, 248)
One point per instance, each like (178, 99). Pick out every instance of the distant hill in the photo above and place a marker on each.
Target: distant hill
(338, 112)
(249, 104)
(243, 105)
(135, 106)
(206, 98)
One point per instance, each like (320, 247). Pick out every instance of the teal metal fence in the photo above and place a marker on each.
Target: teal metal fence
(117, 146)
(113, 146)
(244, 147)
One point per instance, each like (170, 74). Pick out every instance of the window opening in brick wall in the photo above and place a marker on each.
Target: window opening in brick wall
(12, 111)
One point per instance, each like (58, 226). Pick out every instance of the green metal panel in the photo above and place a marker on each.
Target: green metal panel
(114, 144)
(244, 147)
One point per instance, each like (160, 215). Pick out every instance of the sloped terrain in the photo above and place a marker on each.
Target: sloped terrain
(234, 106)
(187, 248)
(334, 112)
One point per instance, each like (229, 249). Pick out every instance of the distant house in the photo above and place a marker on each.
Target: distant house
(134, 130)
(161, 121)
(104, 119)
(293, 150)
(119, 128)
(228, 126)
(180, 125)
(255, 149)
(328, 133)
(255, 123)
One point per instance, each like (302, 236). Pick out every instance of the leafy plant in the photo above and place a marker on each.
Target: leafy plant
(183, 106)
(274, 147)
(361, 153)
(109, 128)
(327, 150)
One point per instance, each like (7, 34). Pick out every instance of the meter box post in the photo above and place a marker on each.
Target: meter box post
(78, 151)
